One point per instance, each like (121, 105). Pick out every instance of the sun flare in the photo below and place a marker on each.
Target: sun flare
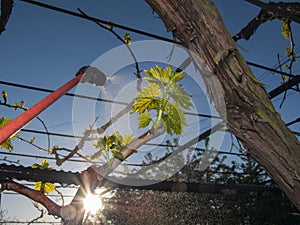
(92, 203)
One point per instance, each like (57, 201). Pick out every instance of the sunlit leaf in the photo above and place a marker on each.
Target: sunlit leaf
(44, 165)
(110, 27)
(174, 119)
(106, 141)
(152, 91)
(147, 99)
(180, 96)
(144, 119)
(40, 186)
(35, 165)
(289, 51)
(146, 104)
(285, 28)
(117, 139)
(157, 76)
(16, 105)
(127, 38)
(165, 95)
(45, 187)
(111, 146)
(22, 104)
(7, 144)
(32, 140)
(178, 76)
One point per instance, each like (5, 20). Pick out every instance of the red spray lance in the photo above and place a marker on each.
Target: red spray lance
(85, 74)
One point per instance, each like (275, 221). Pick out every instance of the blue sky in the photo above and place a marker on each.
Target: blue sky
(45, 49)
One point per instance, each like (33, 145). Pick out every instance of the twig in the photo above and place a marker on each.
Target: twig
(113, 119)
(110, 28)
(253, 25)
(60, 161)
(61, 196)
(31, 143)
(42, 213)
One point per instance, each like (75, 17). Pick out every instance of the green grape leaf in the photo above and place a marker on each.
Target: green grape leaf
(22, 104)
(158, 75)
(45, 187)
(41, 186)
(285, 28)
(109, 26)
(163, 88)
(44, 165)
(110, 145)
(117, 139)
(152, 91)
(178, 77)
(106, 141)
(127, 38)
(7, 144)
(144, 119)
(147, 99)
(289, 51)
(32, 140)
(141, 105)
(180, 96)
(174, 119)
(16, 105)
(4, 96)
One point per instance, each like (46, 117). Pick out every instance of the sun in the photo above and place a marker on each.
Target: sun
(92, 203)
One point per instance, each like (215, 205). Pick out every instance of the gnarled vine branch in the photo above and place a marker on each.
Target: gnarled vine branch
(269, 11)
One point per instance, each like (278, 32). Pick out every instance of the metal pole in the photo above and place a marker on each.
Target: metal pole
(15, 125)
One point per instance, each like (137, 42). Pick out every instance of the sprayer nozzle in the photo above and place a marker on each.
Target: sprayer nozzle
(92, 75)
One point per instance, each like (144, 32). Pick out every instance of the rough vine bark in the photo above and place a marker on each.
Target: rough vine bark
(250, 113)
